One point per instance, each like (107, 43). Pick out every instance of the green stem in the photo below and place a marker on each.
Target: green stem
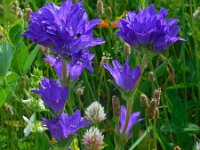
(165, 110)
(64, 82)
(155, 133)
(130, 102)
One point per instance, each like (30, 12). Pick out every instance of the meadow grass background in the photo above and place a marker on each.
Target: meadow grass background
(177, 73)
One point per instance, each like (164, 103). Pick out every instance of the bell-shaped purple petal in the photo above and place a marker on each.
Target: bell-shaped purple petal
(134, 118)
(65, 125)
(65, 28)
(53, 94)
(125, 77)
(80, 61)
(148, 28)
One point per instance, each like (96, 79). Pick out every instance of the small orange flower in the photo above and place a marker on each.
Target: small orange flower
(104, 24)
(113, 25)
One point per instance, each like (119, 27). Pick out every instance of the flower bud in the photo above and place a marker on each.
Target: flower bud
(143, 100)
(95, 113)
(196, 14)
(177, 148)
(127, 49)
(93, 139)
(15, 6)
(100, 8)
(28, 12)
(109, 10)
(80, 91)
(150, 111)
(105, 59)
(20, 14)
(116, 106)
(1, 9)
(156, 96)
(8, 109)
(151, 76)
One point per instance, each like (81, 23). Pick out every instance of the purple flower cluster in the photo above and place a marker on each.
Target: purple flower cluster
(125, 77)
(134, 118)
(66, 29)
(65, 125)
(148, 28)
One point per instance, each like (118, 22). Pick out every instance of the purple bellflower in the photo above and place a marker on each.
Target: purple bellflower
(134, 118)
(148, 28)
(65, 125)
(125, 77)
(53, 95)
(66, 29)
(79, 62)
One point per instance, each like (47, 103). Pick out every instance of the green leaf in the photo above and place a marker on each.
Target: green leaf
(15, 32)
(140, 138)
(162, 68)
(64, 144)
(30, 59)
(6, 54)
(190, 127)
(2, 97)
(19, 58)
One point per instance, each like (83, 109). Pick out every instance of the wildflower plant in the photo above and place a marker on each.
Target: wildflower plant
(68, 32)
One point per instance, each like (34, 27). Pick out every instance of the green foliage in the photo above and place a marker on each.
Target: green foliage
(15, 32)
(6, 53)
(177, 73)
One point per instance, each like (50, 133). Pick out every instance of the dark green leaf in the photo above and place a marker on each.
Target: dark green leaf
(30, 59)
(19, 58)
(15, 32)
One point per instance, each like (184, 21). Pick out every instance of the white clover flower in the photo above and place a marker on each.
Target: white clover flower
(30, 125)
(95, 113)
(93, 139)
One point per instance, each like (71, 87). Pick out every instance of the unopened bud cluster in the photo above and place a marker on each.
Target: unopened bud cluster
(196, 14)
(151, 107)
(151, 76)
(8, 109)
(177, 148)
(116, 106)
(105, 59)
(100, 7)
(80, 91)
(127, 49)
(109, 10)
(17, 10)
